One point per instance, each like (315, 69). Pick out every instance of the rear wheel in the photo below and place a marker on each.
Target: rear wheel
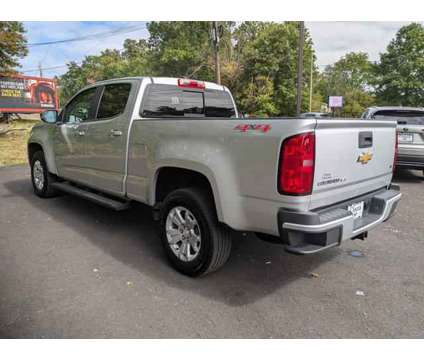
(193, 239)
(42, 180)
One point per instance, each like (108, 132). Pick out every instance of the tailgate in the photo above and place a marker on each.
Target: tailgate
(353, 157)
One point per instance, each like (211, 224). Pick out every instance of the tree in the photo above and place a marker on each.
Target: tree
(175, 49)
(400, 72)
(133, 60)
(267, 53)
(184, 48)
(258, 61)
(13, 45)
(351, 77)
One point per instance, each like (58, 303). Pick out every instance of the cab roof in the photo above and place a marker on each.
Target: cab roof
(161, 80)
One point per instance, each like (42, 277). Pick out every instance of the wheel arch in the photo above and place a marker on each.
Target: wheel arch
(183, 177)
(33, 147)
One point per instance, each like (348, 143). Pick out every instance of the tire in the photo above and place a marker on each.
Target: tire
(41, 179)
(214, 246)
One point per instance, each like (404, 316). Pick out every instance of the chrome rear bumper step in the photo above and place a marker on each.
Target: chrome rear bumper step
(311, 232)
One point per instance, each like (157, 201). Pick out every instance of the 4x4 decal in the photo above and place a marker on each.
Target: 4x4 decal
(253, 127)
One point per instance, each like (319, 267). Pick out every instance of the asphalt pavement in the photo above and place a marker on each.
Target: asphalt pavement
(72, 269)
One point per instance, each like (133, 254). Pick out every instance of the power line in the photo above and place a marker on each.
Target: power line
(45, 68)
(118, 31)
(79, 63)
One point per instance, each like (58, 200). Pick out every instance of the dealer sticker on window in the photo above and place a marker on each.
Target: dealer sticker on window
(356, 209)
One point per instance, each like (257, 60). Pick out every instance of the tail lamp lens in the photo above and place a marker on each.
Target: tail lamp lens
(297, 162)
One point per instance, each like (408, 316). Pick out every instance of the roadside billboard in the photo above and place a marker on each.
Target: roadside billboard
(335, 101)
(27, 94)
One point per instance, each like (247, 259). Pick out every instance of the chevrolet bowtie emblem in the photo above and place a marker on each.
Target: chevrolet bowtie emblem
(364, 158)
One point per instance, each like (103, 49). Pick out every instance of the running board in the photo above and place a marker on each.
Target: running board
(94, 197)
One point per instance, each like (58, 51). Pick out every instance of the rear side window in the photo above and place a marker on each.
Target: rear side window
(114, 100)
(219, 104)
(171, 101)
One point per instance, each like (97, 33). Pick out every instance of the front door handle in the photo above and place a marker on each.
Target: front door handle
(114, 132)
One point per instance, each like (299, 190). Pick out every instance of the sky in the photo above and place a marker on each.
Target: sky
(59, 54)
(331, 41)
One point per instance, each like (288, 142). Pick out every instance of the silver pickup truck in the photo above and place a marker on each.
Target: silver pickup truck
(179, 146)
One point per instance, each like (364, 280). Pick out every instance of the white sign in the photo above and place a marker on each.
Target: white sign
(335, 101)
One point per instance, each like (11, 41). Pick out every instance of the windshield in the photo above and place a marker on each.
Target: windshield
(410, 117)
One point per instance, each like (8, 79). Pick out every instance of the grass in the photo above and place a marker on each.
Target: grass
(13, 145)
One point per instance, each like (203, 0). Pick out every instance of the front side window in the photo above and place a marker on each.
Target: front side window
(114, 100)
(80, 108)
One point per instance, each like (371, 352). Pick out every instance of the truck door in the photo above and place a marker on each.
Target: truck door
(69, 137)
(106, 137)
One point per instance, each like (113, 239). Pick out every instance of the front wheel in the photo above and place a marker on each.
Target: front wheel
(193, 239)
(42, 180)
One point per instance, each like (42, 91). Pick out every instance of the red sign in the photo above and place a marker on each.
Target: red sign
(27, 94)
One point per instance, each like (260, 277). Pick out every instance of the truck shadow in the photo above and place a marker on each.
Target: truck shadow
(408, 176)
(254, 270)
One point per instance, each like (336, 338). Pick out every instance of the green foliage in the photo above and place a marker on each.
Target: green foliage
(131, 61)
(400, 73)
(267, 53)
(258, 61)
(350, 77)
(185, 49)
(180, 49)
(259, 64)
(13, 45)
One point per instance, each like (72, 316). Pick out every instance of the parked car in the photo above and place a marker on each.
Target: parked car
(410, 127)
(317, 115)
(178, 146)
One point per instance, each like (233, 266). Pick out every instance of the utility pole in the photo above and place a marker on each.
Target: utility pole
(311, 81)
(215, 34)
(300, 67)
(40, 69)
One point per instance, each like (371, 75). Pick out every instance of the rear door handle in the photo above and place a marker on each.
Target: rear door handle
(114, 132)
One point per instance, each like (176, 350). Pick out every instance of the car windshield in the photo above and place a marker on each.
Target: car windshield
(410, 117)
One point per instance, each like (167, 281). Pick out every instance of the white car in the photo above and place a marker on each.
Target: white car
(410, 127)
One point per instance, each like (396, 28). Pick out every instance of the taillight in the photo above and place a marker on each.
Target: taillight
(396, 152)
(194, 84)
(296, 169)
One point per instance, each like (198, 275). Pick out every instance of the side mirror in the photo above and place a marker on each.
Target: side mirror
(49, 116)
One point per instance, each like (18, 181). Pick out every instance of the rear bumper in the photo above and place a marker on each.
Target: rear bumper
(409, 161)
(312, 232)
